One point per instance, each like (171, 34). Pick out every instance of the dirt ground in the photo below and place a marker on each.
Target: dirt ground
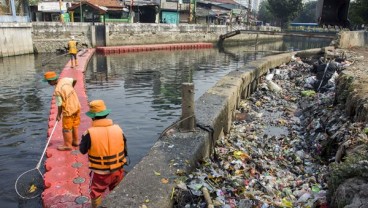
(359, 57)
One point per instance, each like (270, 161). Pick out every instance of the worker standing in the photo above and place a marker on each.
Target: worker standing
(73, 50)
(68, 108)
(106, 146)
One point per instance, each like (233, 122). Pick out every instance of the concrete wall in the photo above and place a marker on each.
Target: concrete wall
(15, 39)
(138, 34)
(54, 36)
(349, 39)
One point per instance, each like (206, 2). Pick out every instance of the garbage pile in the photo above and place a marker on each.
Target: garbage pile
(280, 145)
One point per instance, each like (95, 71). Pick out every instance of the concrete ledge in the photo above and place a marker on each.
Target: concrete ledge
(177, 153)
(15, 25)
(348, 39)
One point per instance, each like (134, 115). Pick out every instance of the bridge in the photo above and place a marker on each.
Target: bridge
(308, 34)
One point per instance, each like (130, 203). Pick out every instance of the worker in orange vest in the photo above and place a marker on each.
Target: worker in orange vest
(68, 108)
(73, 50)
(106, 146)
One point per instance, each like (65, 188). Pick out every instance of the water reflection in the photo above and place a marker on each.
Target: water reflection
(24, 106)
(142, 89)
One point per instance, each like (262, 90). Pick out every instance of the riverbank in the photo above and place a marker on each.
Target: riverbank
(50, 37)
(290, 146)
(153, 181)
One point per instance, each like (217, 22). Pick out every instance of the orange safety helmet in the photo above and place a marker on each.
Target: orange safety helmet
(50, 75)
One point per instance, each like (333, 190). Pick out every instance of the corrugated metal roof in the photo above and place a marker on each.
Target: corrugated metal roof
(219, 1)
(107, 3)
(202, 12)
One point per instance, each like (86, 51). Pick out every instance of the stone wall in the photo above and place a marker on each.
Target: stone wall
(43, 37)
(15, 39)
(139, 34)
(53, 36)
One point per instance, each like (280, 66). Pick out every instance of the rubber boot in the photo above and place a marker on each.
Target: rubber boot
(96, 202)
(75, 142)
(68, 137)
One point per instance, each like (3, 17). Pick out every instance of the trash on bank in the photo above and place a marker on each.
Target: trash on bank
(271, 157)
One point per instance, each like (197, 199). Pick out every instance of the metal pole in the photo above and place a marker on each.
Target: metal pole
(61, 12)
(177, 11)
(80, 11)
(13, 11)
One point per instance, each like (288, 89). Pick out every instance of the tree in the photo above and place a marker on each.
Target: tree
(285, 10)
(264, 14)
(308, 13)
(358, 12)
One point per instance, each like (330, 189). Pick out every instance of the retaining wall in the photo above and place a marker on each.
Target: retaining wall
(15, 39)
(53, 36)
(347, 39)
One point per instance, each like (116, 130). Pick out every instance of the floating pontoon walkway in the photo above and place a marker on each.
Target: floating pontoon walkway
(67, 175)
(154, 47)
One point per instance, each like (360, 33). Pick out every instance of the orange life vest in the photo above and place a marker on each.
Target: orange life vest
(66, 91)
(72, 47)
(107, 151)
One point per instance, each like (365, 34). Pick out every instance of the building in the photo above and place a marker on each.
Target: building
(14, 11)
(220, 12)
(98, 11)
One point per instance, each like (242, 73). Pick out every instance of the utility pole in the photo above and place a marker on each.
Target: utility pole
(249, 11)
(80, 11)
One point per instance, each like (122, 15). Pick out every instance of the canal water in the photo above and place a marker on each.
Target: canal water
(142, 89)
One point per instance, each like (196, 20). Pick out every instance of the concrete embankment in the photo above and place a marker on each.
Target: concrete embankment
(52, 36)
(49, 37)
(15, 39)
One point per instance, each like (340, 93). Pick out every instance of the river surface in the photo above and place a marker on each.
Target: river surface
(142, 89)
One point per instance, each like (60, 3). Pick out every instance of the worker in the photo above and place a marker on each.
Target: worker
(72, 48)
(68, 108)
(106, 146)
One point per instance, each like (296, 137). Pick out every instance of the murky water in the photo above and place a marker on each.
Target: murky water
(142, 89)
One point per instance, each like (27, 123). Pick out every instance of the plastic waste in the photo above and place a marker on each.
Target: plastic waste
(274, 87)
(308, 93)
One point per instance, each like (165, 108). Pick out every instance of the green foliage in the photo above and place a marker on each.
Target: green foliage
(285, 10)
(358, 12)
(308, 13)
(264, 14)
(33, 2)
